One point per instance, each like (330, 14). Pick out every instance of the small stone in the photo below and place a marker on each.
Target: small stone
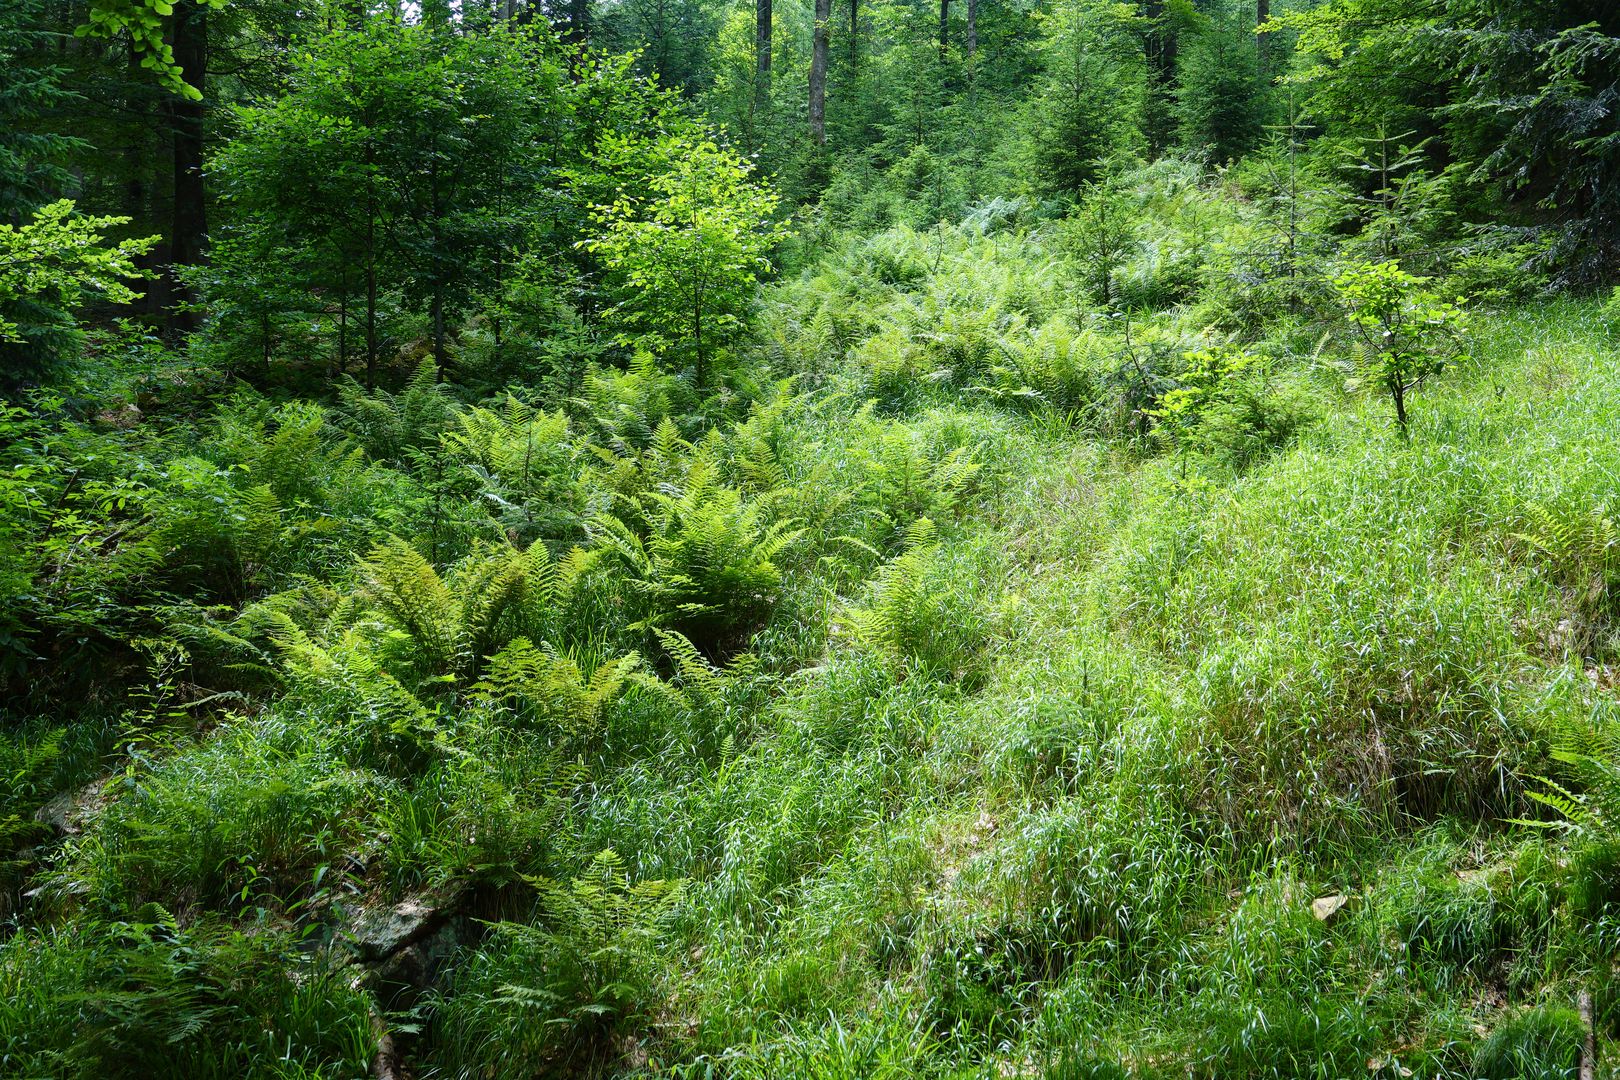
(1325, 908)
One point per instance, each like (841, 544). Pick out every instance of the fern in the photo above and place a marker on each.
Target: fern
(536, 998)
(1588, 804)
(699, 684)
(539, 686)
(917, 617)
(700, 557)
(387, 425)
(1582, 549)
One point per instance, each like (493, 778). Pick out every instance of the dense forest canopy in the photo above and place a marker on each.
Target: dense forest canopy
(876, 539)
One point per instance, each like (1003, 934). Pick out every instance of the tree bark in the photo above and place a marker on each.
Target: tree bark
(1262, 42)
(762, 54)
(818, 74)
(762, 40)
(854, 33)
(189, 226)
(973, 27)
(577, 30)
(944, 27)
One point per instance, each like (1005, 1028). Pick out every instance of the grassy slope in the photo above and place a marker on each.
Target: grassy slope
(1052, 797)
(1204, 710)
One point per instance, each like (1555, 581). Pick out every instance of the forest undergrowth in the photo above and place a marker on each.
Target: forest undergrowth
(1087, 549)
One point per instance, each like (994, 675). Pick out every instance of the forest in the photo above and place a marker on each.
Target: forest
(773, 539)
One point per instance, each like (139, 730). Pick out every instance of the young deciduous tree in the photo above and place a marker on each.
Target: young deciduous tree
(686, 256)
(1406, 332)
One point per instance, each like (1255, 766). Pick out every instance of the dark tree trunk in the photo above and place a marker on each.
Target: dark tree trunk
(371, 283)
(762, 58)
(1262, 12)
(137, 163)
(189, 228)
(762, 40)
(972, 27)
(579, 23)
(818, 74)
(944, 27)
(854, 33)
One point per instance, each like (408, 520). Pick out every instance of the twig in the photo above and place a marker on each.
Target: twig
(1589, 1048)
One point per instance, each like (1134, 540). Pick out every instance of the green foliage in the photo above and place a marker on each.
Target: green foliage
(1097, 240)
(1405, 332)
(1220, 103)
(1539, 1043)
(542, 689)
(920, 617)
(984, 739)
(50, 268)
(700, 555)
(687, 252)
(1081, 118)
(33, 156)
(543, 998)
(143, 22)
(1223, 404)
(146, 996)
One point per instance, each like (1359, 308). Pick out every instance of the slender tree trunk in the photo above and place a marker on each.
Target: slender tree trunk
(189, 228)
(944, 27)
(436, 258)
(762, 39)
(343, 329)
(136, 166)
(854, 34)
(579, 22)
(1262, 42)
(973, 27)
(371, 285)
(818, 74)
(762, 54)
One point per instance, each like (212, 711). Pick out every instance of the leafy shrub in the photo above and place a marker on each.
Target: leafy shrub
(49, 268)
(700, 556)
(1223, 405)
(388, 425)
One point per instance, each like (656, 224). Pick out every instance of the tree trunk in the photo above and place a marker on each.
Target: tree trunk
(137, 164)
(762, 40)
(944, 27)
(371, 284)
(973, 27)
(189, 227)
(762, 54)
(818, 74)
(854, 33)
(576, 28)
(1262, 12)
